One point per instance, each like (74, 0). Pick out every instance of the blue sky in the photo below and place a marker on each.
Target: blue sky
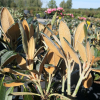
(77, 3)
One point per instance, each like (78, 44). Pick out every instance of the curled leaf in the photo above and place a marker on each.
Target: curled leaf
(46, 31)
(24, 37)
(21, 62)
(88, 81)
(52, 59)
(52, 46)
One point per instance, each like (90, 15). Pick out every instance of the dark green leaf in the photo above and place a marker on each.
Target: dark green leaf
(10, 90)
(19, 48)
(2, 90)
(5, 58)
(3, 51)
(53, 19)
(27, 97)
(29, 20)
(85, 30)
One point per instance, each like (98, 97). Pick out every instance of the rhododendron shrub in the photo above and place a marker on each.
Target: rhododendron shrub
(51, 12)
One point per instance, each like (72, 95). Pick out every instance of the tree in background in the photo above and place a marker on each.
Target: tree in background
(52, 4)
(9, 2)
(20, 3)
(37, 3)
(68, 4)
(62, 4)
(13, 4)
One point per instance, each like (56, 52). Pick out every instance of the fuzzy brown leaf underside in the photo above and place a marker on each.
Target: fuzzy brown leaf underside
(6, 19)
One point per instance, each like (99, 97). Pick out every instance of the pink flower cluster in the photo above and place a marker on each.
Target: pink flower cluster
(70, 15)
(49, 10)
(82, 18)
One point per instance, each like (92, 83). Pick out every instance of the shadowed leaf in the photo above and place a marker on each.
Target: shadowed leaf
(42, 63)
(26, 28)
(6, 19)
(31, 31)
(88, 81)
(21, 62)
(38, 51)
(13, 32)
(52, 59)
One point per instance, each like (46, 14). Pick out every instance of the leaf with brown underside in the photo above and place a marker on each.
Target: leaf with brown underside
(13, 84)
(88, 50)
(13, 72)
(95, 70)
(31, 48)
(52, 46)
(53, 59)
(72, 53)
(88, 81)
(79, 35)
(41, 27)
(64, 32)
(13, 32)
(46, 31)
(31, 31)
(21, 62)
(26, 28)
(6, 19)
(82, 51)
